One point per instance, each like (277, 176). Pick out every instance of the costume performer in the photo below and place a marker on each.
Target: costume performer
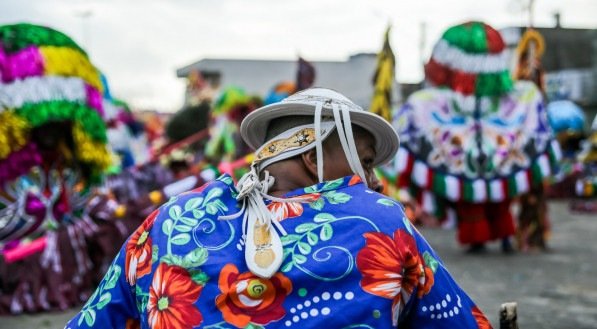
(225, 144)
(586, 185)
(296, 243)
(533, 222)
(52, 151)
(474, 138)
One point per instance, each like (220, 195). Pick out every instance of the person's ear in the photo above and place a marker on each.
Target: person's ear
(309, 160)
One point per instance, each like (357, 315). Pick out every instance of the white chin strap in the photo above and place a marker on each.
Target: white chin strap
(344, 129)
(263, 247)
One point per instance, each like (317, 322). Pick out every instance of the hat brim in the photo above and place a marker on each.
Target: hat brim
(254, 127)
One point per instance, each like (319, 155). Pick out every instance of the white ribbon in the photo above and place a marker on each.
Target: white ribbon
(252, 193)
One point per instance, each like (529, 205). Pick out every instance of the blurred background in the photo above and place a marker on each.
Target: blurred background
(173, 80)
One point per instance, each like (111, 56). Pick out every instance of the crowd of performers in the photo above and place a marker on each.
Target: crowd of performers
(79, 171)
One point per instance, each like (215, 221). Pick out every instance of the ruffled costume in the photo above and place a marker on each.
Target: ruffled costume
(473, 140)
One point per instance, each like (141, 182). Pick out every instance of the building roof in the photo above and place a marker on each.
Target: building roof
(352, 77)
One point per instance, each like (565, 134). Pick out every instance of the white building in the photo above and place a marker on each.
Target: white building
(353, 77)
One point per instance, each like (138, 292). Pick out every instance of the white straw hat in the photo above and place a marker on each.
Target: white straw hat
(330, 110)
(254, 127)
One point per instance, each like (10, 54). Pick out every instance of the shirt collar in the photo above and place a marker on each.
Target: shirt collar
(326, 186)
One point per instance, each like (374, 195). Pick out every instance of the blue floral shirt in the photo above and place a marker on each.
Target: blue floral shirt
(351, 260)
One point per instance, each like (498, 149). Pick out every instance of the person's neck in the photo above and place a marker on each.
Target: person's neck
(288, 178)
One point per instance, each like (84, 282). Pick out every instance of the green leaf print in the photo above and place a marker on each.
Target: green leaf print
(167, 226)
(323, 217)
(211, 208)
(312, 238)
(289, 239)
(287, 267)
(175, 211)
(305, 227)
(113, 273)
(183, 228)
(104, 300)
(386, 202)
(195, 258)
(183, 221)
(326, 232)
(181, 239)
(198, 214)
(333, 184)
(430, 261)
(303, 245)
(213, 193)
(199, 277)
(189, 220)
(193, 203)
(226, 180)
(310, 189)
(304, 248)
(110, 280)
(141, 299)
(154, 253)
(299, 259)
(90, 317)
(317, 204)
(334, 197)
(172, 260)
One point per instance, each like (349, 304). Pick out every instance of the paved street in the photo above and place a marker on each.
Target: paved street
(553, 290)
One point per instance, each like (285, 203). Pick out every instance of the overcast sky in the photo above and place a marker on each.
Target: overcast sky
(138, 44)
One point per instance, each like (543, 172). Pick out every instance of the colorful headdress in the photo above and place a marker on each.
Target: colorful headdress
(470, 59)
(46, 77)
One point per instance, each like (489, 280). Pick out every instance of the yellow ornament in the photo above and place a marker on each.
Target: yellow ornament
(13, 133)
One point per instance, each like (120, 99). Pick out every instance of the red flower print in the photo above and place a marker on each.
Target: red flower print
(283, 210)
(247, 298)
(171, 298)
(392, 268)
(354, 180)
(138, 251)
(425, 282)
(482, 321)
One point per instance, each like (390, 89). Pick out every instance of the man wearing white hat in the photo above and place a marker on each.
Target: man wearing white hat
(302, 240)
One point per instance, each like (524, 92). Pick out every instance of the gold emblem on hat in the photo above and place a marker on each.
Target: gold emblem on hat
(301, 138)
